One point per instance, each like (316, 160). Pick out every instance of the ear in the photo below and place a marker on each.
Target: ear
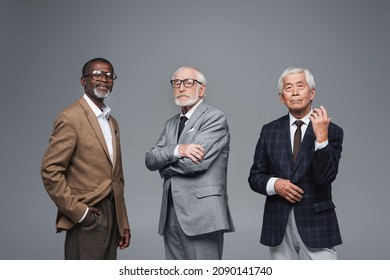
(83, 82)
(313, 93)
(281, 98)
(202, 91)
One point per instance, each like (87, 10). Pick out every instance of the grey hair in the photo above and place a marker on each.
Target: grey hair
(293, 70)
(199, 75)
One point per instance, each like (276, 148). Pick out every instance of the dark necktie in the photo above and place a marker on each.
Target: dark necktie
(182, 123)
(297, 138)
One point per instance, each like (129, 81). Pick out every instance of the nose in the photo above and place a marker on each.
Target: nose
(182, 87)
(104, 78)
(295, 91)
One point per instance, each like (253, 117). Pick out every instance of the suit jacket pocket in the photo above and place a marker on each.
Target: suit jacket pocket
(208, 191)
(322, 206)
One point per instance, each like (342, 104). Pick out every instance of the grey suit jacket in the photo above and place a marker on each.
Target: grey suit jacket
(199, 191)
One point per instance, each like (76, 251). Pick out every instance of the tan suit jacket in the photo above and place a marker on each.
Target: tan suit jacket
(77, 171)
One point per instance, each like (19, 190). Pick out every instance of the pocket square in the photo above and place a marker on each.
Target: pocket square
(192, 129)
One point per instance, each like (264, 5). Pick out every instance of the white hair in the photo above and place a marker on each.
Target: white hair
(199, 75)
(293, 70)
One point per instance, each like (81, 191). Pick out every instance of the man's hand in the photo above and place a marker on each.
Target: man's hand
(320, 121)
(194, 152)
(288, 190)
(90, 217)
(124, 241)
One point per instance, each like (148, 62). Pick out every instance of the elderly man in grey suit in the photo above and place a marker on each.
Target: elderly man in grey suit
(192, 157)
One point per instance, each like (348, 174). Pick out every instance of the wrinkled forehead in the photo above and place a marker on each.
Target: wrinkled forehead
(294, 78)
(186, 73)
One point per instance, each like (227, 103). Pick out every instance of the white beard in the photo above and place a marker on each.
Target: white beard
(188, 102)
(101, 95)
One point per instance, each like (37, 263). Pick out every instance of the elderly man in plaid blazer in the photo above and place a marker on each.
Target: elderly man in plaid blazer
(295, 162)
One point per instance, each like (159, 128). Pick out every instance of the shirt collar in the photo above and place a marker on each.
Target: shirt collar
(192, 110)
(106, 110)
(305, 119)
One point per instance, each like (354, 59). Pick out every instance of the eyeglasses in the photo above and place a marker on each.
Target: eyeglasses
(188, 83)
(98, 75)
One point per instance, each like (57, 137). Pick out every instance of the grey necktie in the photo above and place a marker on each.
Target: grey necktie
(297, 138)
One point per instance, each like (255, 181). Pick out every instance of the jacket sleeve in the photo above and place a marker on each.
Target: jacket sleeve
(161, 154)
(54, 165)
(213, 135)
(259, 172)
(326, 160)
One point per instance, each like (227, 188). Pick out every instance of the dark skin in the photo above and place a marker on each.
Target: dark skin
(102, 85)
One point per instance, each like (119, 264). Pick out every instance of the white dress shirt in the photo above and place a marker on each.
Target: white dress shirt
(188, 115)
(102, 117)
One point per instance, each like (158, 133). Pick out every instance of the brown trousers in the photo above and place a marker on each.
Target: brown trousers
(97, 241)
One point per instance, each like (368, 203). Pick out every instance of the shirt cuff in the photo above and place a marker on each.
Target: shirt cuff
(318, 146)
(271, 186)
(85, 214)
(176, 152)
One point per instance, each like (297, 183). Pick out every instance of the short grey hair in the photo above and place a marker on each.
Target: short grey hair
(199, 75)
(293, 70)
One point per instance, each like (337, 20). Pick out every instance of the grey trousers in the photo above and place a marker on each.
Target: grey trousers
(293, 248)
(97, 241)
(179, 246)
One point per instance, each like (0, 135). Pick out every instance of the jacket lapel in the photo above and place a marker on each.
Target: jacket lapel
(190, 123)
(95, 125)
(285, 135)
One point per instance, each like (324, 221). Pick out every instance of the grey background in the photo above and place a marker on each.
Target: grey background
(242, 47)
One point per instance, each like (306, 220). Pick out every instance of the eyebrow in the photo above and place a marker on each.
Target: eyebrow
(292, 83)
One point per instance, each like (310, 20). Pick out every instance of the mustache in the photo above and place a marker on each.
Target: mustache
(102, 84)
(181, 95)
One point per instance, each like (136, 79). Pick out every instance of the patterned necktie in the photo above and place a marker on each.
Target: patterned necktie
(182, 123)
(297, 138)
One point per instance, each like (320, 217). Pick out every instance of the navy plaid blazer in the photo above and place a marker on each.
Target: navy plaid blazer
(314, 172)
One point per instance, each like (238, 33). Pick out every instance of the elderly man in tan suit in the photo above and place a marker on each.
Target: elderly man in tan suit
(82, 171)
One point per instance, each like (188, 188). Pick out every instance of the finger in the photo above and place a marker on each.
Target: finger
(317, 112)
(324, 112)
(313, 116)
(200, 154)
(194, 159)
(289, 199)
(122, 243)
(94, 210)
(199, 147)
(297, 196)
(195, 156)
(296, 188)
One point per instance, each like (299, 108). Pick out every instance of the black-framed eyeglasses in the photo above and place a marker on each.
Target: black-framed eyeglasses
(98, 75)
(188, 83)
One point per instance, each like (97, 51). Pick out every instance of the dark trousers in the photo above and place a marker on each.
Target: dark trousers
(97, 241)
